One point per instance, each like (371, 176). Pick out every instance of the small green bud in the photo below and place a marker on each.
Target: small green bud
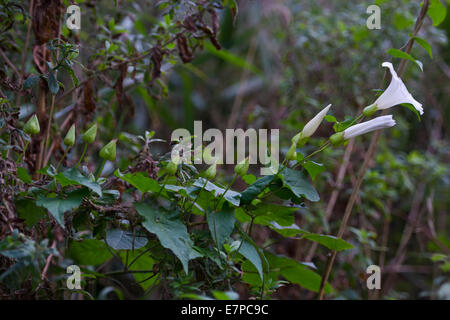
(292, 153)
(242, 167)
(108, 152)
(32, 126)
(337, 138)
(90, 134)
(69, 140)
(370, 110)
(171, 168)
(210, 173)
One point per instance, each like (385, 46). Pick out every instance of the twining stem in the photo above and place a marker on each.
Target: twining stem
(82, 155)
(226, 190)
(196, 197)
(60, 161)
(99, 172)
(162, 188)
(23, 154)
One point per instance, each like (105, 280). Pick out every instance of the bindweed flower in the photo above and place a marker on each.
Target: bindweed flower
(292, 153)
(310, 127)
(69, 140)
(32, 126)
(210, 173)
(362, 128)
(242, 167)
(90, 134)
(396, 93)
(108, 152)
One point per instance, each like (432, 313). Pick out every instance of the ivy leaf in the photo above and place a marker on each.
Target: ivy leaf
(255, 189)
(139, 181)
(221, 224)
(58, 206)
(403, 55)
(124, 240)
(299, 185)
(313, 168)
(172, 234)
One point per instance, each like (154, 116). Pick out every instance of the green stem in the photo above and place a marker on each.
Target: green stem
(60, 161)
(226, 190)
(196, 196)
(164, 184)
(82, 155)
(99, 172)
(23, 154)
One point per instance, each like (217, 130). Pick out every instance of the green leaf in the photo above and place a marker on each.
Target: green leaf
(124, 240)
(74, 177)
(437, 12)
(293, 230)
(331, 242)
(250, 252)
(424, 44)
(89, 252)
(300, 274)
(171, 233)
(231, 196)
(403, 55)
(143, 262)
(29, 212)
(31, 81)
(255, 189)
(58, 206)
(313, 168)
(298, 184)
(267, 213)
(411, 107)
(227, 295)
(72, 75)
(53, 85)
(221, 224)
(231, 58)
(23, 175)
(139, 181)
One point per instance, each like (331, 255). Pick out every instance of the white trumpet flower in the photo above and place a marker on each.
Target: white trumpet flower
(362, 128)
(395, 94)
(311, 126)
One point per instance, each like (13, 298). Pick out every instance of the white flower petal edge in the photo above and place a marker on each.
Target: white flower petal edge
(396, 93)
(314, 123)
(368, 126)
